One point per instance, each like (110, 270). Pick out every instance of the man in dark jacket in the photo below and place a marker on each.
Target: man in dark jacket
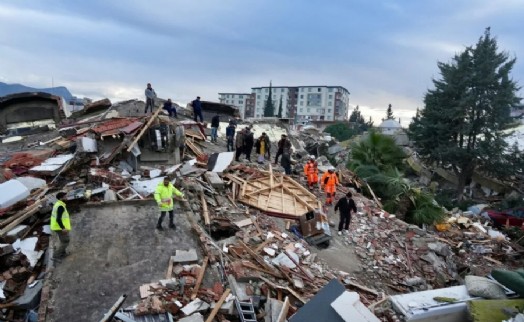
(197, 109)
(285, 162)
(263, 147)
(249, 141)
(215, 123)
(239, 144)
(346, 204)
(168, 106)
(230, 136)
(283, 145)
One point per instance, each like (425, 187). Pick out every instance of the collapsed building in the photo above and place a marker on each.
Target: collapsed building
(251, 243)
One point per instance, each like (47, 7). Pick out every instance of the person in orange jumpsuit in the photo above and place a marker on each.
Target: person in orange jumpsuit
(311, 171)
(329, 182)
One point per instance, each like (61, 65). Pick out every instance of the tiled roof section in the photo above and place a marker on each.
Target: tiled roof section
(113, 126)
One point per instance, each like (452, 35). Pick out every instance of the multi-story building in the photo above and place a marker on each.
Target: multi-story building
(304, 103)
(300, 103)
(243, 101)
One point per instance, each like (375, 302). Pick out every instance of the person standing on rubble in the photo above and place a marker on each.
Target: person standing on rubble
(164, 194)
(311, 172)
(249, 141)
(329, 182)
(215, 123)
(283, 145)
(346, 205)
(197, 109)
(285, 162)
(239, 144)
(230, 136)
(61, 225)
(150, 98)
(263, 147)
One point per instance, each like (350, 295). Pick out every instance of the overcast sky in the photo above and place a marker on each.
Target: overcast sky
(381, 51)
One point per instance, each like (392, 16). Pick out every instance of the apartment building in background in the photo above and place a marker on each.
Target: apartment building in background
(245, 102)
(299, 103)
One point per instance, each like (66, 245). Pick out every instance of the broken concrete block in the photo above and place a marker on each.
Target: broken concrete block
(6, 249)
(31, 296)
(185, 256)
(244, 222)
(16, 233)
(11, 192)
(197, 317)
(270, 251)
(215, 181)
(283, 259)
(196, 305)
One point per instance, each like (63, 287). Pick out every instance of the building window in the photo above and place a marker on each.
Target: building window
(329, 110)
(314, 99)
(267, 90)
(301, 103)
(301, 110)
(301, 89)
(309, 89)
(258, 97)
(240, 96)
(330, 96)
(319, 90)
(301, 96)
(309, 110)
(240, 102)
(330, 90)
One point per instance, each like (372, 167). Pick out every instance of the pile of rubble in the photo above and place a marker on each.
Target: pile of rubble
(119, 155)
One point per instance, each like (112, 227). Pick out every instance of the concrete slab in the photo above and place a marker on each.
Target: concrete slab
(196, 305)
(114, 249)
(31, 296)
(11, 192)
(185, 256)
(350, 309)
(31, 182)
(215, 181)
(197, 317)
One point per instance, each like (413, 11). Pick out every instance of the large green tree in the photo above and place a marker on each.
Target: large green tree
(461, 126)
(269, 108)
(357, 121)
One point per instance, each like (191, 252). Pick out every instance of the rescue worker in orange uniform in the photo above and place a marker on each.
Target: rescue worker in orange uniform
(329, 182)
(311, 171)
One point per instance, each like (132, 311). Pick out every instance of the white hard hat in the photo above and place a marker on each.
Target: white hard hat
(331, 168)
(312, 157)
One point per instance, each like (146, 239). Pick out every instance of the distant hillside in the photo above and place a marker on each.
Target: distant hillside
(7, 89)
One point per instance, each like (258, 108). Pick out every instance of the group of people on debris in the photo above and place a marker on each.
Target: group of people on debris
(169, 106)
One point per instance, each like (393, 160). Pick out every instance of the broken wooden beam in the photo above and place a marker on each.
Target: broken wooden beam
(144, 129)
(205, 211)
(218, 305)
(199, 279)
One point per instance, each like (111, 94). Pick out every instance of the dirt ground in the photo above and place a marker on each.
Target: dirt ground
(114, 249)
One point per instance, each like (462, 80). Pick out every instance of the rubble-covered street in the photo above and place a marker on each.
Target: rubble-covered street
(251, 243)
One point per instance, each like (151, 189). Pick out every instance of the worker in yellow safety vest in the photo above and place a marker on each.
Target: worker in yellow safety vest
(164, 194)
(61, 225)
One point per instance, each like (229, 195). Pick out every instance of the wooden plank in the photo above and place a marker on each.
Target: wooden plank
(23, 216)
(494, 261)
(363, 288)
(169, 273)
(256, 256)
(302, 201)
(144, 129)
(278, 287)
(285, 308)
(218, 305)
(205, 211)
(199, 279)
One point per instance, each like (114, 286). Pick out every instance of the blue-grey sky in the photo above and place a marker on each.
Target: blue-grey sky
(381, 51)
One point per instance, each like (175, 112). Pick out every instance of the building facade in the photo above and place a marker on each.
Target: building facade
(245, 102)
(300, 103)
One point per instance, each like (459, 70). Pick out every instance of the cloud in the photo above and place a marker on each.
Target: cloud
(382, 52)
